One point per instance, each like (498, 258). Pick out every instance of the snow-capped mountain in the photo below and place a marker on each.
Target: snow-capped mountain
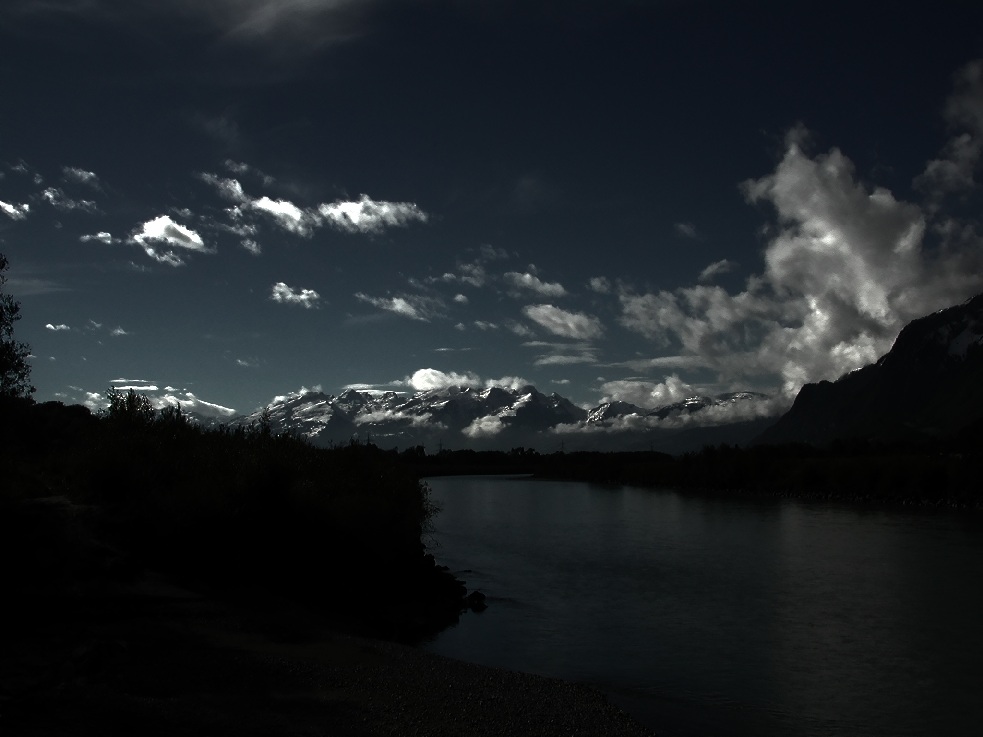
(928, 385)
(700, 402)
(464, 416)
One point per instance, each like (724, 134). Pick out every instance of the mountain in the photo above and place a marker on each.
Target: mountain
(502, 418)
(927, 386)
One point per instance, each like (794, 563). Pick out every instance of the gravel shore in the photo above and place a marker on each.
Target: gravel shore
(151, 658)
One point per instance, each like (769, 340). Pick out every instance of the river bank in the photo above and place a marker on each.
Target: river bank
(153, 658)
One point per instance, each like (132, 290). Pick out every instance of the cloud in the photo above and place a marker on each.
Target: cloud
(229, 189)
(81, 176)
(846, 266)
(430, 378)
(600, 284)
(954, 171)
(14, 212)
(460, 299)
(286, 214)
(565, 360)
(507, 382)
(26, 286)
(484, 427)
(161, 236)
(577, 325)
(366, 216)
(102, 236)
(117, 332)
(716, 269)
(283, 294)
(281, 398)
(188, 402)
(369, 216)
(687, 230)
(647, 394)
(60, 201)
(523, 331)
(415, 307)
(533, 283)
(240, 167)
(57, 328)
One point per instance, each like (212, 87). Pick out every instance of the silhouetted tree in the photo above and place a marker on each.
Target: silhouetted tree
(15, 371)
(130, 408)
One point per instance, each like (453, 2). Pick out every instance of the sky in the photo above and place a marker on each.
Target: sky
(622, 200)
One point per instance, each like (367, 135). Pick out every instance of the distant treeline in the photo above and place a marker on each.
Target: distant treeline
(939, 472)
(134, 488)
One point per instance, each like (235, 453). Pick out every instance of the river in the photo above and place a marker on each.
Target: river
(714, 616)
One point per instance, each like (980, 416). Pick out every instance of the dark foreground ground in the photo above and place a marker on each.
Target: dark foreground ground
(141, 655)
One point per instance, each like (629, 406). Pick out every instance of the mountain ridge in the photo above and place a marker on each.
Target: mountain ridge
(927, 386)
(486, 418)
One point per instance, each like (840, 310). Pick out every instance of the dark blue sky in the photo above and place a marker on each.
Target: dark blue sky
(634, 200)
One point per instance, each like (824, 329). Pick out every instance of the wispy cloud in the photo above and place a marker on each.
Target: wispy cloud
(687, 230)
(600, 284)
(81, 176)
(716, 269)
(562, 354)
(57, 328)
(60, 201)
(102, 237)
(283, 294)
(953, 172)
(564, 323)
(532, 283)
(413, 306)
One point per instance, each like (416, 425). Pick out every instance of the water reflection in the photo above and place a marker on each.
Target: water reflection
(736, 616)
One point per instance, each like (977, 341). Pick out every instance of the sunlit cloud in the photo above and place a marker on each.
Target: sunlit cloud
(102, 237)
(369, 216)
(415, 307)
(286, 214)
(648, 394)
(15, 212)
(60, 201)
(846, 267)
(484, 427)
(564, 323)
(532, 283)
(57, 328)
(161, 236)
(283, 294)
(429, 378)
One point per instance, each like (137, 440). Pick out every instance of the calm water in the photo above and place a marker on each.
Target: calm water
(715, 617)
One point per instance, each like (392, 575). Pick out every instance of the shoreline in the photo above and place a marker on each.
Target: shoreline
(155, 658)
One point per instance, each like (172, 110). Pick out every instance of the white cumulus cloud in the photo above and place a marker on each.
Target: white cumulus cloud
(161, 237)
(14, 212)
(366, 215)
(283, 294)
(846, 266)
